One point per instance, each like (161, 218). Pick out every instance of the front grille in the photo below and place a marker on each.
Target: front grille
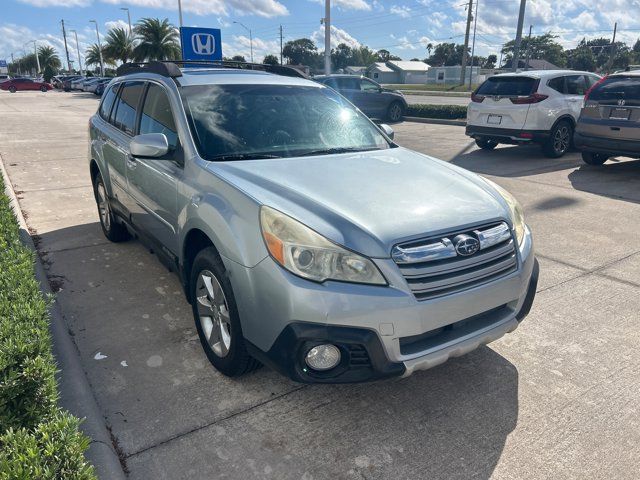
(443, 271)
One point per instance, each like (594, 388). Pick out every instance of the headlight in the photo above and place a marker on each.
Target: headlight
(308, 254)
(517, 214)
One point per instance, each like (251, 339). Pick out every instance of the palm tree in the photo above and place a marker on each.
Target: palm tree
(48, 57)
(92, 56)
(119, 45)
(157, 40)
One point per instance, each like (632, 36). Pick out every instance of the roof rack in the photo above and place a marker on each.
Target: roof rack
(171, 68)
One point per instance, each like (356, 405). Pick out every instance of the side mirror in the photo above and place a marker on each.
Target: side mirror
(149, 145)
(388, 131)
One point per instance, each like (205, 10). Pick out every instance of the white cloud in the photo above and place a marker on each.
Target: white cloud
(241, 45)
(262, 8)
(348, 4)
(116, 24)
(401, 10)
(585, 20)
(338, 36)
(57, 3)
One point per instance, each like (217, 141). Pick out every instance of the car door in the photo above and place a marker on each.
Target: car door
(350, 88)
(116, 146)
(153, 182)
(575, 88)
(372, 98)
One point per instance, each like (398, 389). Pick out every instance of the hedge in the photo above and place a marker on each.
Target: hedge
(38, 440)
(447, 112)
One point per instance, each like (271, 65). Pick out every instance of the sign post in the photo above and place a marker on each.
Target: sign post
(201, 43)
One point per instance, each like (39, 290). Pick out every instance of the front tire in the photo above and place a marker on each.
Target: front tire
(113, 230)
(216, 316)
(559, 141)
(12, 89)
(486, 144)
(592, 158)
(43, 89)
(395, 112)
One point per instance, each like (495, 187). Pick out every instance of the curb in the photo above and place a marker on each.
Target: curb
(436, 121)
(76, 395)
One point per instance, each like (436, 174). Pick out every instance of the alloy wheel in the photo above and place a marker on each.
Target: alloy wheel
(103, 206)
(562, 139)
(395, 112)
(213, 313)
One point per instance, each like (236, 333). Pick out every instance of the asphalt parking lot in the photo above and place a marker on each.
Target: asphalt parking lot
(558, 398)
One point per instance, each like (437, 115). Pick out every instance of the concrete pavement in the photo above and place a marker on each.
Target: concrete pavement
(555, 399)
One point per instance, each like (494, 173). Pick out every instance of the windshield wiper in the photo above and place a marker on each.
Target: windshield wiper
(334, 150)
(242, 156)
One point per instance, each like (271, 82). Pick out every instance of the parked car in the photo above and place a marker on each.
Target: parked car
(4, 78)
(369, 96)
(609, 124)
(66, 83)
(90, 84)
(78, 83)
(304, 237)
(21, 84)
(537, 106)
(57, 81)
(100, 86)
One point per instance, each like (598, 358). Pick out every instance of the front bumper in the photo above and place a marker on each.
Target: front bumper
(381, 331)
(507, 135)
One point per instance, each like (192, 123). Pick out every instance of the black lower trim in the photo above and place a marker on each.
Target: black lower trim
(587, 143)
(507, 135)
(363, 356)
(531, 293)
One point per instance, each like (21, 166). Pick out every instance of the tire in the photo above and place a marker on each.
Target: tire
(113, 230)
(560, 140)
(593, 158)
(216, 316)
(43, 89)
(395, 112)
(486, 144)
(12, 89)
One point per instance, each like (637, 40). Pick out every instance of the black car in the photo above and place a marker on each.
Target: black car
(369, 96)
(609, 124)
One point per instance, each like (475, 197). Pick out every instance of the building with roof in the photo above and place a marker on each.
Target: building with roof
(355, 70)
(450, 75)
(398, 71)
(533, 64)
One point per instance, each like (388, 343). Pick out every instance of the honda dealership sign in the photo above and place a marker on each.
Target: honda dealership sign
(201, 43)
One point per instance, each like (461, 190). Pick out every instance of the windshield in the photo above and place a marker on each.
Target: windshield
(236, 122)
(507, 86)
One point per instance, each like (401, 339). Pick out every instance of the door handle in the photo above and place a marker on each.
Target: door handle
(131, 162)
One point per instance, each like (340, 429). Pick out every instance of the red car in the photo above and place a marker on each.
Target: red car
(16, 84)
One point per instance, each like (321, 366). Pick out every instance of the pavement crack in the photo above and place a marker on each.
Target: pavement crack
(215, 422)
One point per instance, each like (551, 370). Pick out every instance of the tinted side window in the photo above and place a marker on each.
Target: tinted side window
(348, 83)
(368, 85)
(107, 102)
(156, 115)
(331, 82)
(126, 107)
(557, 84)
(576, 85)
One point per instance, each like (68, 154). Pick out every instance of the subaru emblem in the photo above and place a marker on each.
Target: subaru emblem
(203, 43)
(466, 245)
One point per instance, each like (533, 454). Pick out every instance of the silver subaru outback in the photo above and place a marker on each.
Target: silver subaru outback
(305, 238)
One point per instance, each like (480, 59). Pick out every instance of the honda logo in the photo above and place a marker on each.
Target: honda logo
(203, 43)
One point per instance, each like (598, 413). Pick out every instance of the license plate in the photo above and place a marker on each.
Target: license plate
(494, 119)
(620, 113)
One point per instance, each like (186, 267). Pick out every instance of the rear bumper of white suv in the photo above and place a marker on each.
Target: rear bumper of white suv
(507, 135)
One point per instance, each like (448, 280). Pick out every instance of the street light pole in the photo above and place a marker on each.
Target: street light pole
(99, 48)
(35, 51)
(129, 19)
(180, 11)
(78, 50)
(327, 37)
(250, 37)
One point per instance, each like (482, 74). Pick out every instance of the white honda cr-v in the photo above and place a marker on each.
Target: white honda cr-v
(540, 106)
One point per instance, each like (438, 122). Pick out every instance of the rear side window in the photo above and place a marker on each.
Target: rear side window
(557, 84)
(613, 89)
(348, 83)
(508, 86)
(126, 106)
(107, 102)
(156, 115)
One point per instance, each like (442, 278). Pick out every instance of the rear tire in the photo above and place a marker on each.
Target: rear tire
(593, 158)
(486, 144)
(395, 112)
(12, 89)
(43, 89)
(113, 230)
(559, 141)
(216, 316)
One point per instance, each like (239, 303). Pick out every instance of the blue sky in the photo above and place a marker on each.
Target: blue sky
(404, 27)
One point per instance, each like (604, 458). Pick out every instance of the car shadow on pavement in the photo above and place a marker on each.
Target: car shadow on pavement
(618, 178)
(136, 337)
(513, 161)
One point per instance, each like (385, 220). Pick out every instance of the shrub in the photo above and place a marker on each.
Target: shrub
(37, 439)
(448, 112)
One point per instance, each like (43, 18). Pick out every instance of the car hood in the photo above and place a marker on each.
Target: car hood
(369, 201)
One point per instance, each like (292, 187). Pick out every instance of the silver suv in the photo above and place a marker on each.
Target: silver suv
(305, 238)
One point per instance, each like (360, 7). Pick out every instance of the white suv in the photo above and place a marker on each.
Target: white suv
(540, 106)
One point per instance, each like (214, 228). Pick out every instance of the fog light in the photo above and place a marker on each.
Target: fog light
(323, 357)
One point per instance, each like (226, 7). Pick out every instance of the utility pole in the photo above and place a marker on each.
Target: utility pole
(463, 64)
(612, 54)
(526, 64)
(327, 37)
(280, 44)
(516, 48)
(66, 49)
(473, 48)
(78, 50)
(99, 48)
(180, 11)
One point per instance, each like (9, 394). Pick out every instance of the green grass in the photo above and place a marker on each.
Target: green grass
(38, 440)
(445, 112)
